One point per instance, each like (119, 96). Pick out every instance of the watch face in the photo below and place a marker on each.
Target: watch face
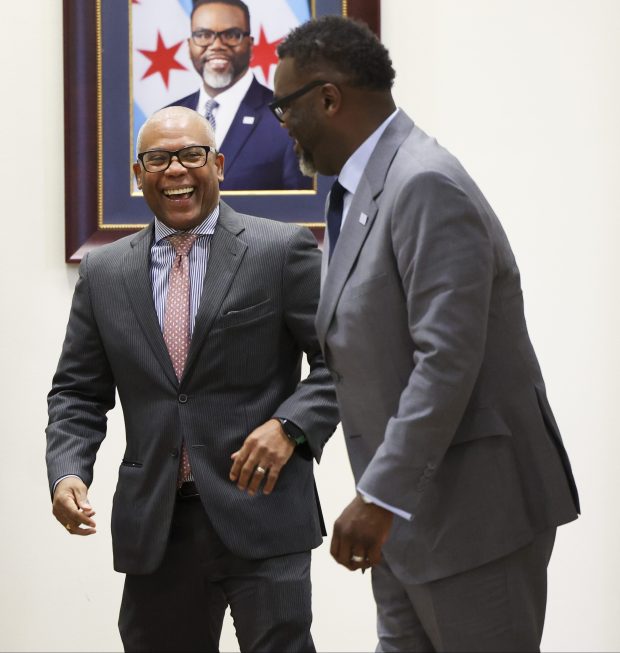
(293, 433)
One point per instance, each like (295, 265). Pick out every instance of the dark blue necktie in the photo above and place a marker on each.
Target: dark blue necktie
(334, 215)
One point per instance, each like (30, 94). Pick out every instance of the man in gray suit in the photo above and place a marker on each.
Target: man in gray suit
(460, 470)
(235, 413)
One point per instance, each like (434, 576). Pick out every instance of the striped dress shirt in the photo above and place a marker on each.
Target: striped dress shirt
(162, 257)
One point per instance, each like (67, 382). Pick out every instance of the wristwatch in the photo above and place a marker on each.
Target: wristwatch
(293, 432)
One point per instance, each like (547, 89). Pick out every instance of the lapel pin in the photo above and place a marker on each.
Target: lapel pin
(248, 120)
(363, 218)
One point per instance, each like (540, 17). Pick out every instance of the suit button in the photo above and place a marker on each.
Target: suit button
(174, 453)
(337, 378)
(182, 399)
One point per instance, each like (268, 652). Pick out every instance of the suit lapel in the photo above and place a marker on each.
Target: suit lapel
(360, 219)
(225, 256)
(240, 131)
(137, 281)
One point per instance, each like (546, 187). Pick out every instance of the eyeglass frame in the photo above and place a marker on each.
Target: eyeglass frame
(176, 153)
(220, 35)
(279, 105)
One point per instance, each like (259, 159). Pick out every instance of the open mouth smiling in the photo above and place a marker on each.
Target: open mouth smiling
(179, 193)
(218, 62)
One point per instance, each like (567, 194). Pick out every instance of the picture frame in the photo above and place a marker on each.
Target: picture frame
(99, 204)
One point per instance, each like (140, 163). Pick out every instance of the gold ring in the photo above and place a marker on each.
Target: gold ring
(261, 470)
(357, 559)
(68, 527)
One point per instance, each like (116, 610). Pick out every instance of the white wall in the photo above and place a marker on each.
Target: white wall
(526, 93)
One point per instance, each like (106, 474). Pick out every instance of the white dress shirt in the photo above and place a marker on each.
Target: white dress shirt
(228, 104)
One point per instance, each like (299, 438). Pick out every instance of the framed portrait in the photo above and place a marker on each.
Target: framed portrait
(125, 59)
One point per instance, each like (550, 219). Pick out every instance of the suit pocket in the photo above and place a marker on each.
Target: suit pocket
(238, 316)
(130, 463)
(480, 423)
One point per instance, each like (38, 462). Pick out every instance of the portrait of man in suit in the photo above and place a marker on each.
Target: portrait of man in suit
(259, 154)
(461, 474)
(199, 322)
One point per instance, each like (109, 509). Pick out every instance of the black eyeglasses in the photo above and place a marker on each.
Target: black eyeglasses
(280, 105)
(193, 156)
(231, 37)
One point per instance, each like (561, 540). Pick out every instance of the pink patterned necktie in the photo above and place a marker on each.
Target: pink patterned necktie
(176, 322)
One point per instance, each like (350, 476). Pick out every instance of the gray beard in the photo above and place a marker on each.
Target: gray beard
(216, 80)
(306, 165)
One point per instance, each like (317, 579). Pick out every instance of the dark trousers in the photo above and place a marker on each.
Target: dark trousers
(181, 606)
(499, 606)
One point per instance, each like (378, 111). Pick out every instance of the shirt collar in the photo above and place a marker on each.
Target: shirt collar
(205, 228)
(227, 100)
(351, 173)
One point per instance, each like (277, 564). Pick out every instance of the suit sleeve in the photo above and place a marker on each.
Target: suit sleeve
(312, 407)
(444, 258)
(83, 391)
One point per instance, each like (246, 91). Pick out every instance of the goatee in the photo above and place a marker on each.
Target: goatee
(216, 80)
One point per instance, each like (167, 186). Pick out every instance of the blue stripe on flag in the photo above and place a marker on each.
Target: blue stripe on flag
(301, 9)
(187, 6)
(138, 120)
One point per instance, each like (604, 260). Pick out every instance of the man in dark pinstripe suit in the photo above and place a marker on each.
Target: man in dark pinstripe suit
(240, 533)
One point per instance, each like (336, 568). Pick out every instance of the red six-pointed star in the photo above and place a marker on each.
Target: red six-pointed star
(162, 59)
(264, 53)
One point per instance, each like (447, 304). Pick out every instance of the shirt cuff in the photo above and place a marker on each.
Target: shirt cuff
(62, 479)
(368, 498)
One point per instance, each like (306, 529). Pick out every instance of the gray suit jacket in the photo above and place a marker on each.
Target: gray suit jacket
(442, 400)
(255, 320)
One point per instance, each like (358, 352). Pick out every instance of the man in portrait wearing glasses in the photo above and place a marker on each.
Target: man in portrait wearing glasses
(460, 470)
(259, 155)
(199, 322)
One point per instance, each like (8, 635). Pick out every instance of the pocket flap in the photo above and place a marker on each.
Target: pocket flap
(480, 423)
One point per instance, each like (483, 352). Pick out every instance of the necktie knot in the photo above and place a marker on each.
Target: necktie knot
(182, 243)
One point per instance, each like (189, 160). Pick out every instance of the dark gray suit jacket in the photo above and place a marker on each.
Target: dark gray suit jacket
(442, 400)
(255, 319)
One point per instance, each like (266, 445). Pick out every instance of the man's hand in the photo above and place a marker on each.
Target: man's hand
(263, 455)
(71, 507)
(359, 534)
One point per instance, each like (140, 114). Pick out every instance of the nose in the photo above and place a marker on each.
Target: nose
(217, 43)
(175, 168)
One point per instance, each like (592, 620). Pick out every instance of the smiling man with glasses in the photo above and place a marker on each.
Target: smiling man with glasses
(200, 321)
(259, 156)
(460, 470)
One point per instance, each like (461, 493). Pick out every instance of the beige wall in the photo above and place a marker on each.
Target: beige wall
(526, 93)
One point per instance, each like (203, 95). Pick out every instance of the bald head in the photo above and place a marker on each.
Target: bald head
(185, 192)
(176, 118)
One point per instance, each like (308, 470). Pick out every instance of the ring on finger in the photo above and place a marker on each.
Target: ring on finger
(68, 527)
(357, 559)
(260, 470)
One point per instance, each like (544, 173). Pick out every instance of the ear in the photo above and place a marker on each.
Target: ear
(332, 99)
(137, 171)
(219, 166)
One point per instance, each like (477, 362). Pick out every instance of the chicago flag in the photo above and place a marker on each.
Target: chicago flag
(161, 69)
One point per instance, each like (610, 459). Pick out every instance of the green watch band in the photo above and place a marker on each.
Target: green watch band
(293, 432)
